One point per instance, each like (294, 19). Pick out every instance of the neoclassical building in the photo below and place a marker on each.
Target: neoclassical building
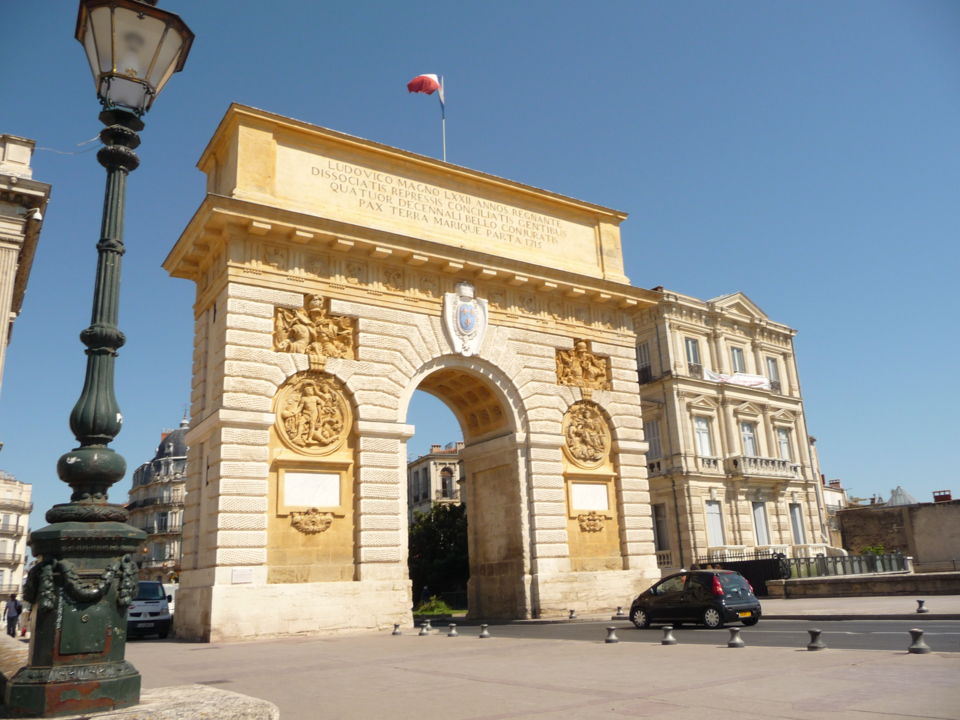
(435, 478)
(156, 505)
(15, 507)
(730, 463)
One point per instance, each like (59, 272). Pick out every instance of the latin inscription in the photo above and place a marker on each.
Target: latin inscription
(422, 202)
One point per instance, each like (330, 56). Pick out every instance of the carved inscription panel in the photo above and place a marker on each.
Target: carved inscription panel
(420, 206)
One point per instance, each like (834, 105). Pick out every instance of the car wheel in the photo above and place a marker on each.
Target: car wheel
(750, 621)
(711, 618)
(640, 618)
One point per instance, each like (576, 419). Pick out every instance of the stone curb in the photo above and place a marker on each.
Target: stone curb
(872, 616)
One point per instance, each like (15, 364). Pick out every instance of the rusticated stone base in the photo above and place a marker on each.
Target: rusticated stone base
(197, 702)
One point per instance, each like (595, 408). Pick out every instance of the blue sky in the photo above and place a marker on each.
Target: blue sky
(804, 153)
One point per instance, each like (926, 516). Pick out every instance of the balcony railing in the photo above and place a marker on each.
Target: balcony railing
(5, 590)
(764, 467)
(709, 464)
(11, 529)
(654, 468)
(726, 552)
(171, 499)
(170, 528)
(18, 505)
(775, 386)
(10, 557)
(695, 370)
(664, 558)
(645, 374)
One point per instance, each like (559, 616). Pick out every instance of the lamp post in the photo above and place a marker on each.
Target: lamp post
(87, 569)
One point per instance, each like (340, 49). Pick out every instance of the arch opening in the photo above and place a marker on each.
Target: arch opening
(477, 480)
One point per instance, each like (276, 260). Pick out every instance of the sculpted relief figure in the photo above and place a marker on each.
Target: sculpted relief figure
(586, 435)
(312, 330)
(582, 368)
(312, 413)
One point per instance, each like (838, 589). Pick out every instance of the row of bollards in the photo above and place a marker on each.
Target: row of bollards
(917, 645)
(426, 628)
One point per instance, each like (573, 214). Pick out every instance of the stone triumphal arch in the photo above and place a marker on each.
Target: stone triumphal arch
(335, 276)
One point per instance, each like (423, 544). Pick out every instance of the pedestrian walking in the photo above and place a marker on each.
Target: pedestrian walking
(11, 613)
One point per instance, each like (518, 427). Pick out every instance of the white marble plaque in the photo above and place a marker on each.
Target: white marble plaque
(241, 576)
(589, 496)
(308, 489)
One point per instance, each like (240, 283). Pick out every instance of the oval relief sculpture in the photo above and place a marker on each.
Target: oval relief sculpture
(586, 435)
(313, 415)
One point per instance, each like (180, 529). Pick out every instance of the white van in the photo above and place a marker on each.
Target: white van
(149, 613)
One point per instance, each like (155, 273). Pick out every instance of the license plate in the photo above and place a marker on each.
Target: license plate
(746, 613)
(143, 625)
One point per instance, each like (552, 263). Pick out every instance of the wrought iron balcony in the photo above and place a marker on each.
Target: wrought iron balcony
(8, 558)
(747, 465)
(645, 374)
(14, 529)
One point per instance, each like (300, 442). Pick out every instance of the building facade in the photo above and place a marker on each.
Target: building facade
(730, 463)
(434, 478)
(23, 201)
(834, 500)
(156, 506)
(15, 507)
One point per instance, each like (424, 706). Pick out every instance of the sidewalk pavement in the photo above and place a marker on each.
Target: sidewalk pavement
(467, 678)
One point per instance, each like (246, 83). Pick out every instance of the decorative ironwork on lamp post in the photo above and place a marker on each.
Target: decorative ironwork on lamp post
(87, 569)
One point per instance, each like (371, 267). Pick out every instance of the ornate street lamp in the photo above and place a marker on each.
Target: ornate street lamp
(87, 569)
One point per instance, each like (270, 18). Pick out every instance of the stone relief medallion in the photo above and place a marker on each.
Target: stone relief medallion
(591, 521)
(583, 368)
(311, 522)
(464, 319)
(586, 435)
(313, 415)
(313, 330)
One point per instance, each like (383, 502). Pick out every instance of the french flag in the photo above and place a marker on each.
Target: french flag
(427, 84)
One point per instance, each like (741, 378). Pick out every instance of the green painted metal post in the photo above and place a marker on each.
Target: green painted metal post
(86, 572)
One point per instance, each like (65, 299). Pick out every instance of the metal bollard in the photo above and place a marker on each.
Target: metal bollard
(484, 633)
(573, 615)
(423, 629)
(735, 640)
(918, 646)
(620, 611)
(668, 638)
(815, 642)
(921, 608)
(396, 629)
(453, 630)
(612, 635)
(429, 626)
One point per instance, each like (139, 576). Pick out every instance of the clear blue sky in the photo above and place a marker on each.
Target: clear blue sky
(805, 153)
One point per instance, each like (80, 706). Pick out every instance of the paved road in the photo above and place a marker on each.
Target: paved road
(940, 635)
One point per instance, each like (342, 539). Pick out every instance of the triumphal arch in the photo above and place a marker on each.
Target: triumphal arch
(334, 277)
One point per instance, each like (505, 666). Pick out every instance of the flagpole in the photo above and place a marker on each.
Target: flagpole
(443, 130)
(443, 118)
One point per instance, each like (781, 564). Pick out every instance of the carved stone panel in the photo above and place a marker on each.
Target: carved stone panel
(581, 367)
(313, 415)
(591, 521)
(312, 521)
(586, 435)
(312, 330)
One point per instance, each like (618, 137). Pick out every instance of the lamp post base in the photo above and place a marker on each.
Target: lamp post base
(80, 589)
(72, 689)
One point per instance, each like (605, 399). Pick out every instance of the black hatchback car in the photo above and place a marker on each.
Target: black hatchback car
(707, 597)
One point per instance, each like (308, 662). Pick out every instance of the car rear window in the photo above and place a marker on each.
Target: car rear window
(733, 581)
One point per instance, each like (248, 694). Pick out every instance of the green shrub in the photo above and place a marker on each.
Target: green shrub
(435, 606)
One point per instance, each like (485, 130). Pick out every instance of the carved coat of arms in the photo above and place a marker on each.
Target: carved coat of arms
(464, 319)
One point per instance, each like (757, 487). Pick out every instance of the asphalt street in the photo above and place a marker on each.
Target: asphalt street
(940, 635)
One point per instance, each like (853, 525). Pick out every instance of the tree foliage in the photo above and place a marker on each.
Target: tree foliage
(438, 550)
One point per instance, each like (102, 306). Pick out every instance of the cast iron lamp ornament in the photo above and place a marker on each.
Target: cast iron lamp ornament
(87, 569)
